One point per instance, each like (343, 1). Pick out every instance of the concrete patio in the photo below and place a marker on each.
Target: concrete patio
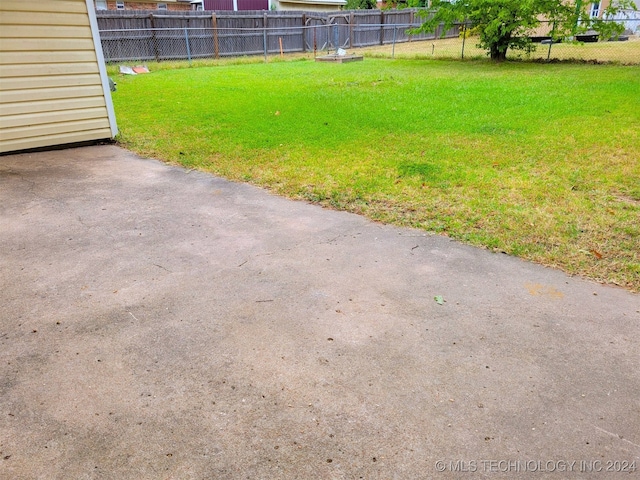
(159, 323)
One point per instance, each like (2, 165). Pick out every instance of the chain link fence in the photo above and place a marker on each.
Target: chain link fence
(381, 40)
(161, 44)
(588, 46)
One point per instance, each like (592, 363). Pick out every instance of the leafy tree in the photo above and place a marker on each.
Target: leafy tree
(360, 4)
(402, 4)
(504, 24)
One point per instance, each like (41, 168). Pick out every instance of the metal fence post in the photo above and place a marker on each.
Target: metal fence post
(412, 19)
(464, 37)
(186, 39)
(265, 24)
(328, 42)
(154, 39)
(393, 49)
(264, 42)
(352, 17)
(304, 33)
(551, 42)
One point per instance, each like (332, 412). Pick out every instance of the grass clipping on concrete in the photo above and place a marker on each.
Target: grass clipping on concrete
(539, 161)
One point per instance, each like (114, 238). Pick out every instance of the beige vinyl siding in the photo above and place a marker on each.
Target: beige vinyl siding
(48, 118)
(51, 88)
(65, 31)
(51, 106)
(48, 6)
(13, 83)
(45, 69)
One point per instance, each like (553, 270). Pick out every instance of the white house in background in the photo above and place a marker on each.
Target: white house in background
(309, 5)
(630, 17)
(54, 88)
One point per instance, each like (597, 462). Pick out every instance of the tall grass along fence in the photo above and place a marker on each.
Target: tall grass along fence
(143, 36)
(148, 36)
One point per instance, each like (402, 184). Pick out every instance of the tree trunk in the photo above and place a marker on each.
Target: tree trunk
(498, 55)
(498, 51)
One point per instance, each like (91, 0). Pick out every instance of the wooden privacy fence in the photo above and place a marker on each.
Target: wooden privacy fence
(185, 35)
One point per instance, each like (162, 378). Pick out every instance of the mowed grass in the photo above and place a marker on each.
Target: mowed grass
(535, 160)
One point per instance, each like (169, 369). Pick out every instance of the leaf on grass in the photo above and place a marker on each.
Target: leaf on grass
(439, 300)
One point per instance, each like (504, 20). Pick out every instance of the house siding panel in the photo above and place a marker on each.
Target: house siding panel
(40, 18)
(57, 105)
(40, 118)
(253, 4)
(25, 58)
(37, 45)
(51, 87)
(57, 6)
(218, 4)
(16, 83)
(44, 31)
(49, 140)
(57, 127)
(45, 69)
(33, 94)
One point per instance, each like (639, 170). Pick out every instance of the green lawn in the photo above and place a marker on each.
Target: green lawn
(536, 160)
